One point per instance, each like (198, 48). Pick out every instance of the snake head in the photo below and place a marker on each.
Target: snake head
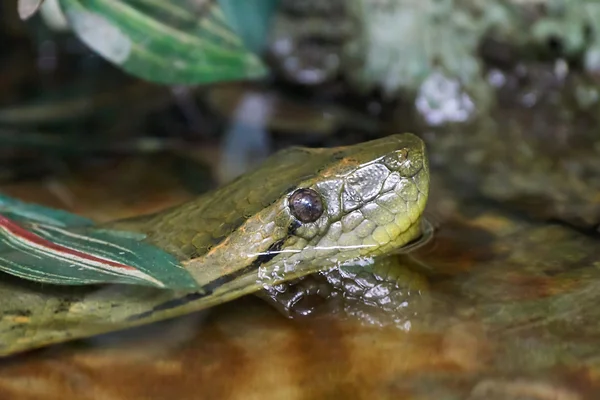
(372, 198)
(303, 210)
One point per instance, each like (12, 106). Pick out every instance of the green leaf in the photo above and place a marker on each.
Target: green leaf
(173, 42)
(251, 20)
(41, 244)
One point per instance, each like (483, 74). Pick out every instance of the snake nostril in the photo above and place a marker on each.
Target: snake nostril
(395, 160)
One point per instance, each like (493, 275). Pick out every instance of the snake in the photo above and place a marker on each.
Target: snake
(302, 211)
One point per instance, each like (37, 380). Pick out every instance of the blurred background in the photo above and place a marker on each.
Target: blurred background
(504, 92)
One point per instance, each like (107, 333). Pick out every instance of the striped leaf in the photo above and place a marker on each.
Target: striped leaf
(50, 246)
(21, 211)
(173, 42)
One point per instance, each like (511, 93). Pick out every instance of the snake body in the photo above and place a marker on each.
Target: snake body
(242, 237)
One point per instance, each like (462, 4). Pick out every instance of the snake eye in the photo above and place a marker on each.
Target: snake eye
(306, 205)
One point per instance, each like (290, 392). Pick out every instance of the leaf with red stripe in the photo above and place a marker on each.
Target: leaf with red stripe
(57, 253)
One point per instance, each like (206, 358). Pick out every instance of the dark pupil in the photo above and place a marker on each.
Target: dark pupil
(306, 205)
